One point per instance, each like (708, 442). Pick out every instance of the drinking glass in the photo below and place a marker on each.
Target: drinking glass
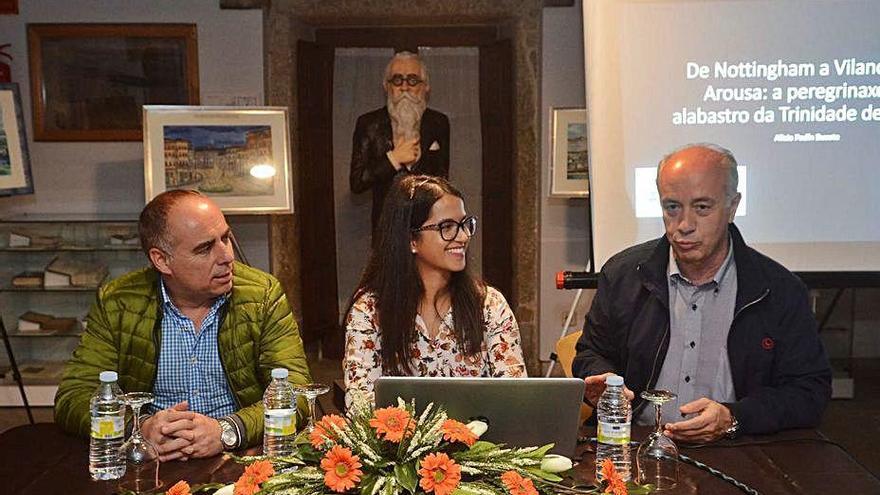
(141, 457)
(311, 391)
(657, 458)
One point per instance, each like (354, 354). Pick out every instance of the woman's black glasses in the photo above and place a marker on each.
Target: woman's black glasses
(449, 228)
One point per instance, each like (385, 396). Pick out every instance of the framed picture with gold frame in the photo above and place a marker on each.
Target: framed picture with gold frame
(569, 169)
(89, 81)
(238, 156)
(15, 166)
(8, 7)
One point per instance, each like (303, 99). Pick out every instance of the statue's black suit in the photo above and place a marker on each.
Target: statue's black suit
(370, 167)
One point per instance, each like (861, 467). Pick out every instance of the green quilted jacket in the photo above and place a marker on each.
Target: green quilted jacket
(257, 333)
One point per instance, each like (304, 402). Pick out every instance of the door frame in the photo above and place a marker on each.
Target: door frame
(315, 103)
(521, 21)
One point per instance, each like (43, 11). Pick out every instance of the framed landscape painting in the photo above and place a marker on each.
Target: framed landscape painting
(239, 156)
(569, 169)
(15, 166)
(89, 81)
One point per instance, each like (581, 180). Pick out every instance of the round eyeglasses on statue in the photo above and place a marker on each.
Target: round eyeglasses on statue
(411, 79)
(449, 228)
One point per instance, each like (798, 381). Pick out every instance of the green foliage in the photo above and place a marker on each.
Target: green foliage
(207, 488)
(407, 476)
(544, 475)
(389, 468)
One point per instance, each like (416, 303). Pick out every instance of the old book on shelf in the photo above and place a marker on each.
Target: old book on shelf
(17, 239)
(39, 372)
(25, 240)
(39, 323)
(130, 239)
(32, 321)
(123, 236)
(28, 279)
(65, 271)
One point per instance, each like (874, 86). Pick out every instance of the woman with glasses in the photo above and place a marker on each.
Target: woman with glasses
(417, 310)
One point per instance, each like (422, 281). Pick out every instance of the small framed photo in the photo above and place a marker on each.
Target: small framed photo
(89, 81)
(8, 7)
(15, 165)
(239, 156)
(569, 169)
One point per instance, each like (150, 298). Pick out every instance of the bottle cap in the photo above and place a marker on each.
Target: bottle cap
(614, 380)
(279, 373)
(108, 376)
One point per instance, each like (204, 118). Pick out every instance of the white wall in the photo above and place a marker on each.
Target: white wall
(564, 235)
(104, 177)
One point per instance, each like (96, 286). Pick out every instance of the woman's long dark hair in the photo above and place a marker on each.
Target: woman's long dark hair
(391, 274)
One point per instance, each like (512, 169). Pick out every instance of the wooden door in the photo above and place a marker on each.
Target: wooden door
(314, 203)
(496, 116)
(314, 200)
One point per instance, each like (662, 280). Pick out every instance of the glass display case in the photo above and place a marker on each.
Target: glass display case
(50, 269)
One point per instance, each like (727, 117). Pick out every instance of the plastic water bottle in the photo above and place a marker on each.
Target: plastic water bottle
(614, 414)
(279, 420)
(108, 429)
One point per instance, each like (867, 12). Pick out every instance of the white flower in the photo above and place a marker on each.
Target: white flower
(477, 428)
(553, 463)
(226, 490)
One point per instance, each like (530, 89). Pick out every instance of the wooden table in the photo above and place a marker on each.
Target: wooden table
(789, 462)
(41, 459)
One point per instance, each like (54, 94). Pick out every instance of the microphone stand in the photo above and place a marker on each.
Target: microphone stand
(571, 310)
(16, 375)
(577, 296)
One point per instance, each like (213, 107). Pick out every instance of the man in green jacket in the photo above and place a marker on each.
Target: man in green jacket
(198, 330)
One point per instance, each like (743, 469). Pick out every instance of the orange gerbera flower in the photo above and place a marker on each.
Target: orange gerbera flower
(341, 471)
(440, 474)
(179, 488)
(517, 485)
(455, 431)
(393, 423)
(324, 429)
(260, 471)
(615, 483)
(256, 473)
(245, 486)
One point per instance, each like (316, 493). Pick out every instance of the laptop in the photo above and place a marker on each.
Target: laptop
(521, 412)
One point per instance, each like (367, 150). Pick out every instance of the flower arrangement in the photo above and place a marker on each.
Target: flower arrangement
(392, 451)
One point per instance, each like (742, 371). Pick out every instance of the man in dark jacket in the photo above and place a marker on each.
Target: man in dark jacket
(701, 314)
(402, 137)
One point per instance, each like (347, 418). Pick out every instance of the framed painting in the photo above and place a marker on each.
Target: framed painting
(89, 81)
(569, 169)
(238, 156)
(8, 7)
(15, 166)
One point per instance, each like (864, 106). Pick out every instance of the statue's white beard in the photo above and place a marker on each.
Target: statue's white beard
(406, 114)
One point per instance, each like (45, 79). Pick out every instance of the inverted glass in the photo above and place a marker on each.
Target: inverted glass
(657, 458)
(141, 456)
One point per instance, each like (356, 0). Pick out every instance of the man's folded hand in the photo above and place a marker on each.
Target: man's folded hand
(162, 428)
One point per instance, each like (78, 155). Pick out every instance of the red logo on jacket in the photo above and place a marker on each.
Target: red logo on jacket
(768, 344)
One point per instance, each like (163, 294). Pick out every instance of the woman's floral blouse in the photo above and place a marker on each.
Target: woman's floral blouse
(501, 353)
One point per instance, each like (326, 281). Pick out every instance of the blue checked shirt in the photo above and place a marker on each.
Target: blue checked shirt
(189, 363)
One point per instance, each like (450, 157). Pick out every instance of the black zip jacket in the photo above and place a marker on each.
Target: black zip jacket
(370, 166)
(780, 371)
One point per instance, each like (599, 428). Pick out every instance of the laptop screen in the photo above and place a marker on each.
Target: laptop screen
(520, 412)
